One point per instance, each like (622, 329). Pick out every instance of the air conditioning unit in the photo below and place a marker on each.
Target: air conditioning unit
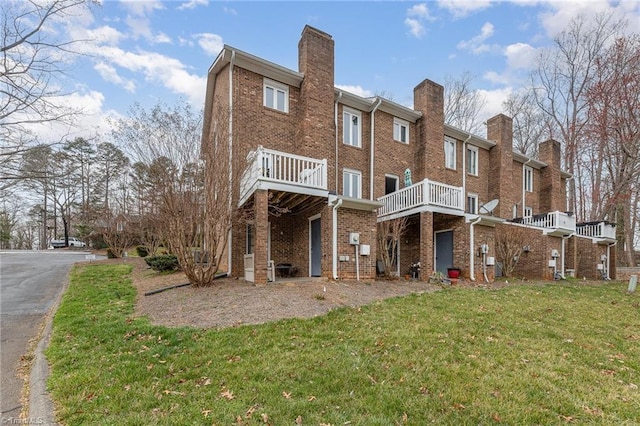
(354, 238)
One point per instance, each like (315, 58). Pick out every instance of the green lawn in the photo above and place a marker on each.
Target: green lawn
(548, 354)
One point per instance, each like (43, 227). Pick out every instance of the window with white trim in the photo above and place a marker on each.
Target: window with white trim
(276, 95)
(472, 160)
(528, 179)
(472, 203)
(528, 212)
(351, 128)
(390, 184)
(400, 130)
(449, 153)
(352, 183)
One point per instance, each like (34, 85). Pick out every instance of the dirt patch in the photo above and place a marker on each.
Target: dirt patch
(233, 302)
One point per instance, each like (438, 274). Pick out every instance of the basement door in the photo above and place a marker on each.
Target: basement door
(315, 248)
(444, 251)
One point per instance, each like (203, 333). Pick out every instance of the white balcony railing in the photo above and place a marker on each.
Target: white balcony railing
(560, 221)
(268, 165)
(597, 230)
(422, 193)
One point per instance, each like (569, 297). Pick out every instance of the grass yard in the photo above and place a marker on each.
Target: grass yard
(548, 354)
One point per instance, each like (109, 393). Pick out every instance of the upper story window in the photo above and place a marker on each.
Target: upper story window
(528, 212)
(351, 127)
(390, 184)
(528, 179)
(472, 160)
(472, 204)
(400, 130)
(449, 153)
(352, 183)
(276, 95)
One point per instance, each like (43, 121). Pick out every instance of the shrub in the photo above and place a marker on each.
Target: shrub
(166, 262)
(142, 251)
(111, 254)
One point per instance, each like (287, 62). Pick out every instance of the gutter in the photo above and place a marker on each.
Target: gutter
(524, 189)
(230, 237)
(472, 272)
(335, 121)
(334, 238)
(373, 138)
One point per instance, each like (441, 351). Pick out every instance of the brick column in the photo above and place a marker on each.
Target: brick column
(261, 211)
(552, 191)
(426, 244)
(502, 184)
(428, 98)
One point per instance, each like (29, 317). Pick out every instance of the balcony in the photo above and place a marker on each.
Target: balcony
(556, 223)
(598, 230)
(422, 194)
(270, 169)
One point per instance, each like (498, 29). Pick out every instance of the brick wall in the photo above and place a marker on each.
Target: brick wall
(535, 263)
(551, 192)
(428, 98)
(363, 222)
(501, 180)
(392, 157)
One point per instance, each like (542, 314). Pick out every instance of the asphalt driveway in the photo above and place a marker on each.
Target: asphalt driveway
(30, 284)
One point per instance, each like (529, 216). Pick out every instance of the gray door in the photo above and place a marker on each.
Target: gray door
(316, 249)
(444, 251)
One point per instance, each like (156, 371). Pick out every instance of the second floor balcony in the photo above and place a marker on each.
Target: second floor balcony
(598, 230)
(421, 194)
(553, 223)
(271, 169)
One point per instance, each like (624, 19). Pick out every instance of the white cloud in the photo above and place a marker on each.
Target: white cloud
(416, 15)
(495, 99)
(212, 44)
(356, 90)
(476, 45)
(419, 11)
(415, 27)
(520, 55)
(462, 8)
(229, 10)
(159, 69)
(110, 74)
(142, 8)
(105, 35)
(192, 4)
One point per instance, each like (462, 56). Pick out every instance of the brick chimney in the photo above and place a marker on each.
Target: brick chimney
(428, 98)
(501, 180)
(552, 188)
(316, 62)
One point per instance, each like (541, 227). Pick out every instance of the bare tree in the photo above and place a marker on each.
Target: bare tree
(510, 241)
(463, 104)
(613, 129)
(529, 123)
(560, 81)
(195, 184)
(389, 234)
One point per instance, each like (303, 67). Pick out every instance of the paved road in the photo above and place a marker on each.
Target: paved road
(30, 282)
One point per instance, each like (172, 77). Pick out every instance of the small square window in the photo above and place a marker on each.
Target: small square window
(400, 130)
(528, 212)
(276, 96)
(450, 153)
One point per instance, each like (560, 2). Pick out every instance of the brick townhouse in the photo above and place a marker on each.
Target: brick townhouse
(326, 166)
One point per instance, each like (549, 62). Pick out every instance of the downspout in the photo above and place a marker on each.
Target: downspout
(472, 272)
(373, 138)
(524, 188)
(464, 172)
(334, 238)
(335, 120)
(609, 259)
(230, 236)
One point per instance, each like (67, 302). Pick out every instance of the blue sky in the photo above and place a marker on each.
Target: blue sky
(147, 51)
